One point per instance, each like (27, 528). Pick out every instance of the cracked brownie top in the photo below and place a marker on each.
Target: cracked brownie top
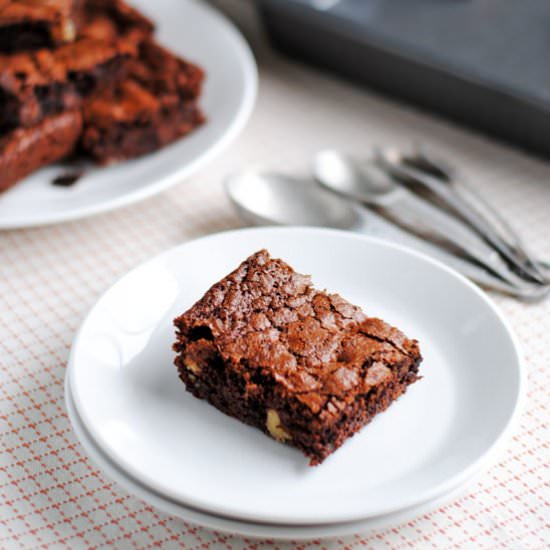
(310, 343)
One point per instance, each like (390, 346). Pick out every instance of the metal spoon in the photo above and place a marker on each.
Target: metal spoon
(366, 183)
(424, 159)
(263, 198)
(268, 198)
(404, 170)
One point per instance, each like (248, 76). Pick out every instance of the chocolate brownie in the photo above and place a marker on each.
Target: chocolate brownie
(114, 20)
(24, 150)
(35, 24)
(152, 106)
(306, 367)
(34, 85)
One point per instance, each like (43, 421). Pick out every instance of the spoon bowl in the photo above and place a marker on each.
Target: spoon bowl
(268, 198)
(342, 175)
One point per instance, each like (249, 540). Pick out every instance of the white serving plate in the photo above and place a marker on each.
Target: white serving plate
(128, 395)
(247, 529)
(199, 33)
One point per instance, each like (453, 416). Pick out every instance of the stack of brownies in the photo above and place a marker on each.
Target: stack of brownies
(86, 77)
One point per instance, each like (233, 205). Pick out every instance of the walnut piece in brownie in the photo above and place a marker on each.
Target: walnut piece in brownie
(24, 150)
(152, 106)
(34, 85)
(35, 24)
(306, 367)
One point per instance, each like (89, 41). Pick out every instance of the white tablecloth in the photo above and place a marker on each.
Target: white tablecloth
(50, 493)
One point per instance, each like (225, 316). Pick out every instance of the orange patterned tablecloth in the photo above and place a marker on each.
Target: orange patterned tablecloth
(51, 496)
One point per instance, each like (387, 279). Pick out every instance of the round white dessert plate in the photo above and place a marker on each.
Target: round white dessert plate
(233, 526)
(129, 397)
(199, 33)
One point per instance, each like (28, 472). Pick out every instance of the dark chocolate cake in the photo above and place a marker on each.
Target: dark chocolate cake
(306, 367)
(87, 72)
(152, 106)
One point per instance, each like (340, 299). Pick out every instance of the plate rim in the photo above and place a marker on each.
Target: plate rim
(475, 466)
(242, 115)
(234, 526)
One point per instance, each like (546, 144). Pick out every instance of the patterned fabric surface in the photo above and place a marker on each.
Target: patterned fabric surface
(51, 496)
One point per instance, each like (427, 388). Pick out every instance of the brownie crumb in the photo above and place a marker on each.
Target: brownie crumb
(68, 179)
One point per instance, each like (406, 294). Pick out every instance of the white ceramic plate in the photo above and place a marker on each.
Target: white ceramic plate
(199, 33)
(129, 397)
(220, 523)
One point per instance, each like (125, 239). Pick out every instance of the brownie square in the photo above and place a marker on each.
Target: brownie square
(152, 106)
(306, 367)
(36, 24)
(24, 150)
(34, 85)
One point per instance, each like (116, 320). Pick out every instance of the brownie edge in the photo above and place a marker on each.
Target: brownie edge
(306, 367)
(154, 105)
(25, 150)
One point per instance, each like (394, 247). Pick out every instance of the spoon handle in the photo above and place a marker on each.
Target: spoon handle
(375, 225)
(456, 204)
(414, 210)
(425, 161)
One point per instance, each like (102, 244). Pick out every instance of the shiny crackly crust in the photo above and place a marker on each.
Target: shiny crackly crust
(312, 356)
